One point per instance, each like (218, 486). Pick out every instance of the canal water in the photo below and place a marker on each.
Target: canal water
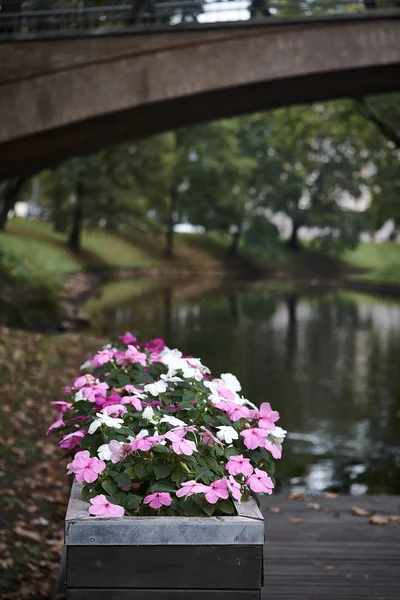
(327, 361)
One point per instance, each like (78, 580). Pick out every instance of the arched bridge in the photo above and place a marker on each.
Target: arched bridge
(68, 95)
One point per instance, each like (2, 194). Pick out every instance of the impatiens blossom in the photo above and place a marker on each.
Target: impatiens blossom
(183, 446)
(260, 482)
(72, 440)
(189, 488)
(102, 357)
(254, 438)
(268, 416)
(234, 488)
(113, 451)
(239, 465)
(128, 338)
(151, 416)
(158, 500)
(227, 434)
(217, 490)
(275, 451)
(101, 507)
(156, 388)
(103, 419)
(86, 468)
(231, 382)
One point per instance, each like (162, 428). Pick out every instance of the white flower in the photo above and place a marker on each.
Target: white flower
(142, 433)
(156, 388)
(189, 372)
(86, 365)
(214, 397)
(227, 434)
(241, 400)
(231, 382)
(104, 452)
(106, 420)
(173, 421)
(148, 414)
(278, 434)
(79, 395)
(211, 385)
(170, 376)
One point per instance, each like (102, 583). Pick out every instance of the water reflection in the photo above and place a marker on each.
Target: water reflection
(328, 362)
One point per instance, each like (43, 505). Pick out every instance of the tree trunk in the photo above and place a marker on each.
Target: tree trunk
(74, 241)
(169, 234)
(236, 236)
(10, 197)
(293, 242)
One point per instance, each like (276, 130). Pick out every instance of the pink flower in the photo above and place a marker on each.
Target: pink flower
(128, 338)
(62, 406)
(234, 488)
(275, 451)
(260, 482)
(254, 438)
(86, 468)
(208, 438)
(83, 380)
(238, 465)
(102, 358)
(96, 393)
(67, 389)
(225, 393)
(237, 412)
(144, 444)
(132, 400)
(115, 409)
(268, 416)
(117, 451)
(57, 424)
(72, 440)
(183, 446)
(131, 356)
(131, 389)
(191, 487)
(156, 345)
(158, 499)
(101, 507)
(218, 489)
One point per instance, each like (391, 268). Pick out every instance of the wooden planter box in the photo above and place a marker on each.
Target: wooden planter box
(163, 558)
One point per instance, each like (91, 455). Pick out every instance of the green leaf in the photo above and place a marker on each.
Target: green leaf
(89, 492)
(203, 474)
(161, 470)
(207, 508)
(122, 379)
(109, 486)
(226, 507)
(162, 486)
(122, 479)
(132, 501)
(140, 470)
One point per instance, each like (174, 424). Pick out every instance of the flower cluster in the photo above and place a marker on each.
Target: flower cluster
(149, 429)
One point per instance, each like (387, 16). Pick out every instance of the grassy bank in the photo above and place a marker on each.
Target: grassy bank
(47, 258)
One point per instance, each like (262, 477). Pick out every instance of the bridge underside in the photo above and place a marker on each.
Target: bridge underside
(104, 98)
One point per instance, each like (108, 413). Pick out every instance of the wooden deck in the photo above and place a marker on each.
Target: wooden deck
(328, 552)
(331, 553)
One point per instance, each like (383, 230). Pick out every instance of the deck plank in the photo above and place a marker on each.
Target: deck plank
(331, 553)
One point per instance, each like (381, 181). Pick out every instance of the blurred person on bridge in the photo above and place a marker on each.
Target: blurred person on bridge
(259, 8)
(147, 7)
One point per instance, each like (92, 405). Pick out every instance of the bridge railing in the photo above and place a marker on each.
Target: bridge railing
(39, 16)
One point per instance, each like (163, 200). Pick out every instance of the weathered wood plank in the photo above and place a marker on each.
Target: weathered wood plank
(163, 595)
(80, 529)
(214, 567)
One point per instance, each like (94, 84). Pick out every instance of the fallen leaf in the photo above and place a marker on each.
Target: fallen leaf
(394, 518)
(331, 495)
(26, 534)
(329, 567)
(275, 510)
(314, 505)
(379, 520)
(360, 512)
(295, 520)
(297, 496)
